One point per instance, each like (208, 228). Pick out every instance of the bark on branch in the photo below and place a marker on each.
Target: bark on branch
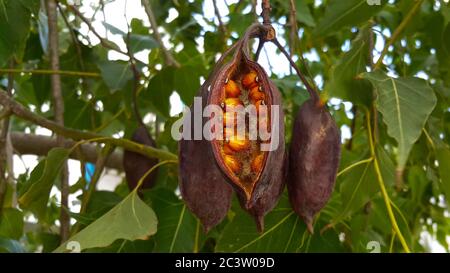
(28, 144)
(23, 113)
(58, 105)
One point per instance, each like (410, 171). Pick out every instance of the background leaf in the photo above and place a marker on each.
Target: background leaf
(38, 187)
(339, 14)
(131, 219)
(406, 104)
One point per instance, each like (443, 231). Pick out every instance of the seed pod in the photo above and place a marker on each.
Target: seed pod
(202, 185)
(269, 198)
(258, 188)
(314, 160)
(136, 165)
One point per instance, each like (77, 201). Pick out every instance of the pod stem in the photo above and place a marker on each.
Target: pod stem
(312, 92)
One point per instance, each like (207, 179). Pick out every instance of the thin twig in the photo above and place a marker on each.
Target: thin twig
(222, 27)
(384, 193)
(99, 166)
(5, 168)
(136, 75)
(293, 32)
(51, 72)
(58, 101)
(104, 42)
(352, 127)
(312, 92)
(168, 58)
(398, 31)
(258, 51)
(294, 45)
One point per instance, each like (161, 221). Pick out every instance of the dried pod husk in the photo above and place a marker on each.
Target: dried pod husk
(258, 189)
(202, 185)
(314, 160)
(136, 165)
(269, 198)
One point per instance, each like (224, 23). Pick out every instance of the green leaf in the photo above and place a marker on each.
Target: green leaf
(283, 230)
(115, 74)
(304, 14)
(113, 29)
(339, 14)
(14, 29)
(159, 90)
(38, 187)
(443, 156)
(357, 188)
(187, 82)
(141, 42)
(11, 223)
(405, 103)
(344, 83)
(131, 219)
(177, 226)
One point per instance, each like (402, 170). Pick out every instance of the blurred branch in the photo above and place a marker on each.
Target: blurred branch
(6, 174)
(75, 41)
(24, 144)
(58, 104)
(51, 72)
(168, 58)
(398, 31)
(222, 27)
(21, 112)
(99, 166)
(293, 32)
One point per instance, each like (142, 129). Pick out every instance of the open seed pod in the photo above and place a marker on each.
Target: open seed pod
(255, 173)
(136, 165)
(202, 185)
(314, 160)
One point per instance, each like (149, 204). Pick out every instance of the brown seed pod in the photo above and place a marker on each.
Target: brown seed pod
(269, 198)
(258, 188)
(136, 165)
(202, 185)
(314, 160)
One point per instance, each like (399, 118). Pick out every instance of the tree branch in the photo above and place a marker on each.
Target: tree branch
(58, 103)
(398, 31)
(5, 156)
(168, 58)
(51, 72)
(40, 145)
(293, 32)
(222, 27)
(23, 113)
(266, 8)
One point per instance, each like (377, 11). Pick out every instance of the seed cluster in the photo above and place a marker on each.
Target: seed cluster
(242, 156)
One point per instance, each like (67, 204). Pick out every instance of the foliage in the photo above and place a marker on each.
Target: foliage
(396, 152)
